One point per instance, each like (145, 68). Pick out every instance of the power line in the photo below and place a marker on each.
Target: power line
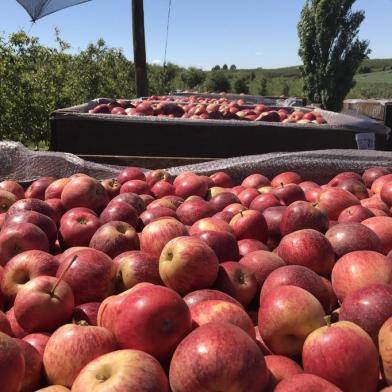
(167, 32)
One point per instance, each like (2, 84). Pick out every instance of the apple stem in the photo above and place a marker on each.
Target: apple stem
(62, 274)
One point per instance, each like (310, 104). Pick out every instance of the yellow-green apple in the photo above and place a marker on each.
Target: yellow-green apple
(13, 187)
(53, 191)
(87, 312)
(130, 173)
(84, 191)
(286, 178)
(309, 248)
(297, 275)
(371, 174)
(16, 329)
(122, 371)
(356, 213)
(33, 366)
(36, 190)
(158, 233)
(343, 354)
(156, 213)
(303, 215)
(157, 175)
(5, 325)
(382, 226)
(255, 181)
(360, 269)
(192, 210)
(210, 224)
(222, 179)
(195, 297)
(289, 193)
(262, 263)
(219, 310)
(250, 224)
(273, 216)
(138, 187)
(218, 356)
(90, 273)
(149, 318)
(249, 245)
(120, 211)
(71, 347)
(222, 243)
(43, 304)
(236, 280)
(349, 237)
(385, 349)
(190, 184)
(223, 199)
(114, 238)
(6, 200)
(216, 190)
(247, 196)
(379, 183)
(280, 368)
(20, 237)
(135, 267)
(77, 228)
(369, 307)
(334, 200)
(306, 382)
(187, 264)
(38, 340)
(287, 315)
(132, 199)
(12, 364)
(24, 267)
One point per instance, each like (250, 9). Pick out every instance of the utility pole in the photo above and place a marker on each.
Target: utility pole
(139, 48)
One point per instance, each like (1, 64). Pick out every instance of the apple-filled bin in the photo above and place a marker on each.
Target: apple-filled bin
(145, 130)
(259, 273)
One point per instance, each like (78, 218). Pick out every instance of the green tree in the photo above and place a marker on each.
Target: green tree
(193, 77)
(330, 50)
(233, 67)
(285, 89)
(216, 68)
(263, 87)
(241, 86)
(225, 67)
(217, 82)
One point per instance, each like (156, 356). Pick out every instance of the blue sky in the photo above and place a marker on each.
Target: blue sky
(248, 33)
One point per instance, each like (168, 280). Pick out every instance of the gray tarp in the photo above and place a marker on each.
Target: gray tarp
(21, 164)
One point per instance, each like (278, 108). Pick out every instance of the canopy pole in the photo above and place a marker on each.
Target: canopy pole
(139, 48)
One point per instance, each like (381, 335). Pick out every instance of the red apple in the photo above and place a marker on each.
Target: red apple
(13, 187)
(193, 210)
(112, 187)
(162, 188)
(54, 190)
(255, 181)
(369, 307)
(348, 237)
(151, 318)
(236, 280)
(371, 174)
(309, 248)
(114, 238)
(247, 196)
(158, 233)
(16, 329)
(152, 214)
(38, 341)
(225, 216)
(217, 357)
(24, 267)
(37, 188)
(187, 264)
(57, 207)
(287, 315)
(132, 199)
(280, 368)
(297, 275)
(130, 370)
(360, 269)
(382, 226)
(84, 192)
(308, 185)
(334, 200)
(250, 224)
(195, 297)
(78, 345)
(303, 215)
(18, 238)
(90, 274)
(87, 312)
(353, 214)
(343, 176)
(385, 349)
(357, 188)
(379, 183)
(32, 205)
(190, 184)
(375, 202)
(289, 193)
(120, 211)
(12, 364)
(6, 200)
(286, 178)
(234, 208)
(249, 245)
(344, 355)
(222, 200)
(305, 382)
(130, 173)
(43, 304)
(138, 187)
(273, 217)
(5, 325)
(210, 224)
(154, 176)
(222, 179)
(136, 267)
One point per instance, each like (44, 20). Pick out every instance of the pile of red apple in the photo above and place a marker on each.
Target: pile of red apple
(151, 283)
(213, 109)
